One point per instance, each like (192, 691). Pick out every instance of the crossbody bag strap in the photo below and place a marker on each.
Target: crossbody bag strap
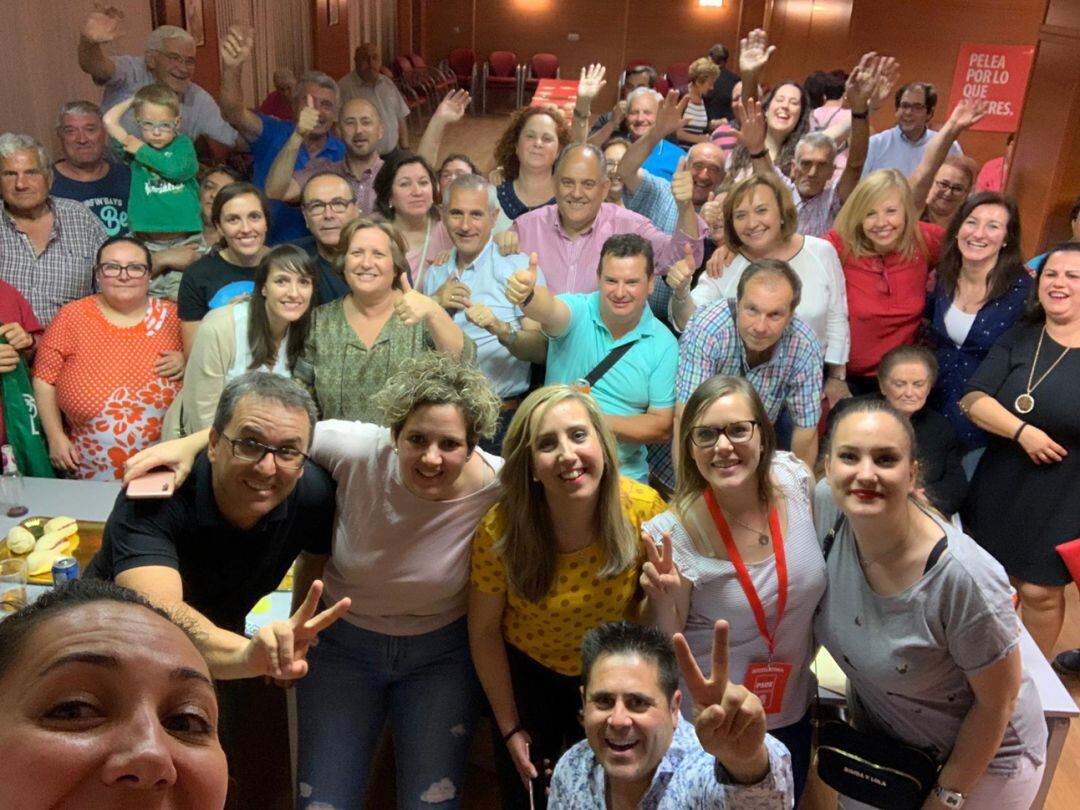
(605, 365)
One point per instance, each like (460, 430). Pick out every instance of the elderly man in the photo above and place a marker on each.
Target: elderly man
(84, 174)
(169, 59)
(268, 135)
(638, 750)
(612, 341)
(254, 492)
(607, 123)
(471, 286)
(368, 82)
(902, 146)
(757, 336)
(48, 245)
(718, 100)
(328, 205)
(361, 128)
(568, 236)
(278, 102)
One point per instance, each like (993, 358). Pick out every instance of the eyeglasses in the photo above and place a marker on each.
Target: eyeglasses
(177, 59)
(114, 270)
(950, 188)
(337, 205)
(158, 127)
(907, 106)
(251, 451)
(738, 432)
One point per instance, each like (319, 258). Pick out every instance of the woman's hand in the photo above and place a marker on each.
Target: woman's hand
(177, 455)
(720, 260)
(659, 575)
(754, 52)
(680, 275)
(1040, 448)
(591, 82)
(518, 746)
(414, 307)
(170, 365)
(454, 295)
(453, 106)
(17, 337)
(752, 127)
(63, 454)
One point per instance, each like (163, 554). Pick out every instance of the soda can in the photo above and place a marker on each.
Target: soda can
(64, 569)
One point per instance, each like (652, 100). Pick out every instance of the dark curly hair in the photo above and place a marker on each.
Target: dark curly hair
(506, 148)
(740, 158)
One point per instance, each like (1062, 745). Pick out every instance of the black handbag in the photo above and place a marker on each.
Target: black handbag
(871, 768)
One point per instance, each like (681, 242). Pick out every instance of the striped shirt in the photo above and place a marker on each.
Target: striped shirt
(712, 345)
(63, 272)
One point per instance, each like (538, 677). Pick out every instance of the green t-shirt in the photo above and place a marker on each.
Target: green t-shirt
(164, 193)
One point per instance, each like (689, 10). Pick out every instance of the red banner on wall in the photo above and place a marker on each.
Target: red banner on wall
(997, 74)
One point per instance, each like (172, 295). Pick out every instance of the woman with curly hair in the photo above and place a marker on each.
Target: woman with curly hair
(560, 553)
(526, 154)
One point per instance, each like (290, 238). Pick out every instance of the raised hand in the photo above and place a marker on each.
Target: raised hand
(591, 82)
(754, 51)
(237, 45)
(669, 115)
(618, 113)
(522, 283)
(682, 185)
(967, 113)
(103, 24)
(752, 127)
(308, 118)
(280, 648)
(659, 575)
(452, 108)
(887, 79)
(731, 723)
(712, 211)
(413, 307)
(454, 295)
(862, 82)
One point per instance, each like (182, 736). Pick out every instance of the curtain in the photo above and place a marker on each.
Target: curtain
(282, 39)
(373, 21)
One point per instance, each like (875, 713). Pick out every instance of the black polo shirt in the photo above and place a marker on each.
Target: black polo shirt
(330, 286)
(225, 570)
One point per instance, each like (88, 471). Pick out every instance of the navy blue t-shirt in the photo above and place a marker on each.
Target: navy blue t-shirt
(106, 198)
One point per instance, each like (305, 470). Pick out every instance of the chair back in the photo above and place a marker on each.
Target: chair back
(678, 76)
(503, 63)
(545, 66)
(417, 61)
(461, 61)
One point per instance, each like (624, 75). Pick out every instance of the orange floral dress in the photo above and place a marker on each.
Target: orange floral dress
(112, 400)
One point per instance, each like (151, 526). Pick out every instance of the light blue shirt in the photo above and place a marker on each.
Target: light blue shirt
(891, 150)
(664, 160)
(486, 279)
(643, 378)
(653, 199)
(685, 779)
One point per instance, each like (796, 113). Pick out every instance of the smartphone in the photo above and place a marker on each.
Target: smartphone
(152, 485)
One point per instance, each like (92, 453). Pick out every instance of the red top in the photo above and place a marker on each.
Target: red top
(14, 308)
(886, 298)
(278, 105)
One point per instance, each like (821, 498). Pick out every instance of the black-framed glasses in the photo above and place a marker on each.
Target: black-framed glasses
(951, 188)
(178, 59)
(338, 205)
(251, 451)
(158, 127)
(115, 269)
(737, 433)
(912, 107)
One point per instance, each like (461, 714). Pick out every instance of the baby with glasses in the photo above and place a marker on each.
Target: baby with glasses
(163, 204)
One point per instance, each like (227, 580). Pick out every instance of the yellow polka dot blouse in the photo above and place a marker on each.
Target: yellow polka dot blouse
(551, 630)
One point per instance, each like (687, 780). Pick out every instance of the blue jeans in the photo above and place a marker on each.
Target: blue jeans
(424, 684)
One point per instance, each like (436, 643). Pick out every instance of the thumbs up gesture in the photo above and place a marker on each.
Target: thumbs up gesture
(308, 118)
(682, 185)
(731, 723)
(520, 286)
(682, 272)
(413, 307)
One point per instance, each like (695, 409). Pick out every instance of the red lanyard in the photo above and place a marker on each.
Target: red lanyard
(744, 576)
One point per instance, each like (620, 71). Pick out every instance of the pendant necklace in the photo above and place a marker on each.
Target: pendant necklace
(1025, 403)
(763, 536)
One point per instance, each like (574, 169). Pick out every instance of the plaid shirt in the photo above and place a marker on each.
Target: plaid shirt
(816, 214)
(711, 345)
(64, 270)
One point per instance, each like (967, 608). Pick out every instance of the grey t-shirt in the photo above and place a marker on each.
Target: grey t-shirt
(907, 656)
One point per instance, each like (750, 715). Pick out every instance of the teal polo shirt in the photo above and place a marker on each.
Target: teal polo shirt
(643, 378)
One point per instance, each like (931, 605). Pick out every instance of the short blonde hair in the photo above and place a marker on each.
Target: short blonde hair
(789, 215)
(867, 194)
(703, 68)
(159, 94)
(398, 248)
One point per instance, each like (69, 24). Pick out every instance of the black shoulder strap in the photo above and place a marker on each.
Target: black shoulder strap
(605, 365)
(935, 553)
(830, 538)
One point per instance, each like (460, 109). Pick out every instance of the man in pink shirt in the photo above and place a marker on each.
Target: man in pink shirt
(569, 235)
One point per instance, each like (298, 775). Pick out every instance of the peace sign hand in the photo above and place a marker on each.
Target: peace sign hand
(659, 575)
(280, 649)
(731, 720)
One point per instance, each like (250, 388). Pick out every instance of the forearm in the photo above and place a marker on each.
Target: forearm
(307, 569)
(430, 141)
(858, 149)
(978, 741)
(641, 428)
(579, 121)
(94, 61)
(281, 170)
(493, 669)
(544, 308)
(222, 649)
(663, 614)
(682, 309)
(48, 411)
(232, 97)
(530, 345)
(990, 415)
(804, 444)
(636, 155)
(690, 137)
(688, 224)
(403, 133)
(934, 155)
(601, 135)
(446, 335)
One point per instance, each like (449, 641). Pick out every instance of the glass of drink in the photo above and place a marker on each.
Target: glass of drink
(12, 584)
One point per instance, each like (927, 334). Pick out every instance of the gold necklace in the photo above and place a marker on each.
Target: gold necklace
(1025, 403)
(763, 534)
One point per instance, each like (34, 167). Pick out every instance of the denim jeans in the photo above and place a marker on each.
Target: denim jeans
(427, 688)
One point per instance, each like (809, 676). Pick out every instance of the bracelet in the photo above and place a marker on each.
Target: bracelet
(579, 114)
(515, 730)
(528, 299)
(861, 115)
(759, 155)
(1019, 430)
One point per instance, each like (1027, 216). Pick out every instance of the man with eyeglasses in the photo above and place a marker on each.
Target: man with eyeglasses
(902, 146)
(169, 60)
(328, 205)
(757, 336)
(251, 503)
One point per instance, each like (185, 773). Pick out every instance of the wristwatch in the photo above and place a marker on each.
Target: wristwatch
(508, 341)
(949, 798)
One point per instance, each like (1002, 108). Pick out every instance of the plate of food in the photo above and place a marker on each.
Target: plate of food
(41, 540)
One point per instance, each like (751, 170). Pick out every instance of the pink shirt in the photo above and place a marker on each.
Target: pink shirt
(402, 559)
(991, 176)
(570, 265)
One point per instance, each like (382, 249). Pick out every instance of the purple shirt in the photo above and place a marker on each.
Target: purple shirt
(570, 265)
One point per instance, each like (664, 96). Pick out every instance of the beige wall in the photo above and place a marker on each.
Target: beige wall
(39, 63)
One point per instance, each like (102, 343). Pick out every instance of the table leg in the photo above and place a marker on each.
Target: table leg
(1059, 730)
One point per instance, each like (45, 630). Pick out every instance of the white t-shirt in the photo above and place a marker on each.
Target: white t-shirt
(958, 324)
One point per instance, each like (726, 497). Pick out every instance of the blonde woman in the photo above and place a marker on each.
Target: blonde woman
(695, 127)
(560, 553)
